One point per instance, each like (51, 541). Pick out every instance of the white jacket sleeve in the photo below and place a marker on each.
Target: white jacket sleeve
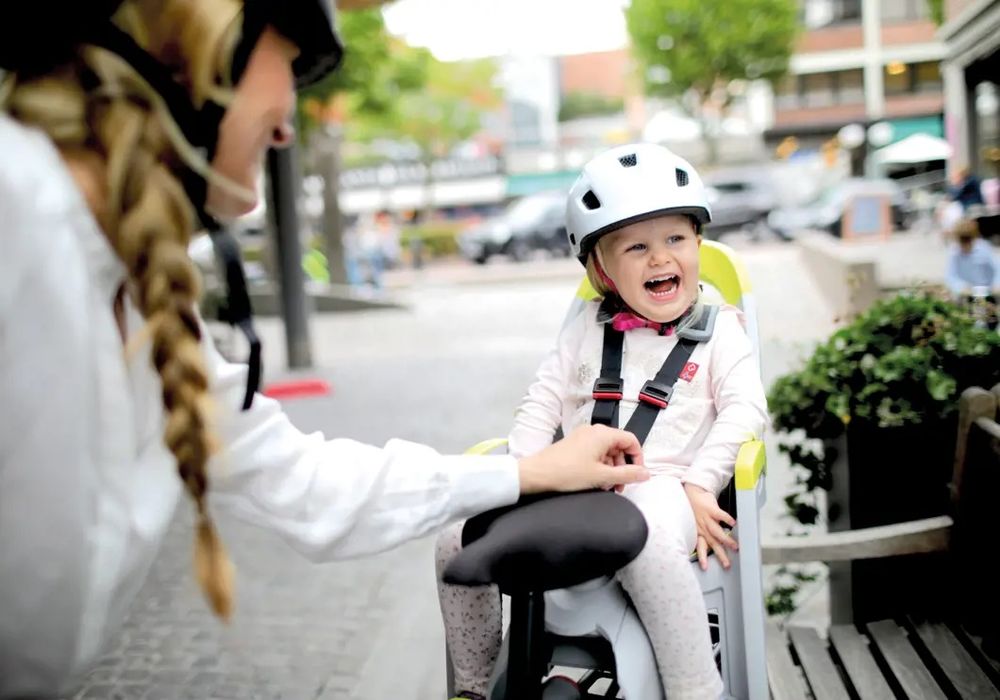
(740, 403)
(540, 412)
(47, 450)
(333, 499)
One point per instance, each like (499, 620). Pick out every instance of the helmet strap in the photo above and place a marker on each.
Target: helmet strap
(200, 126)
(599, 266)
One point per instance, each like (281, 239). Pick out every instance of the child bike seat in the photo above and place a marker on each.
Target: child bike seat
(549, 542)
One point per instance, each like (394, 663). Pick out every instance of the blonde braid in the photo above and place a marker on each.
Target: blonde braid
(151, 238)
(149, 221)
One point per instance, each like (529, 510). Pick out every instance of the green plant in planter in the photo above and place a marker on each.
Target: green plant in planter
(788, 580)
(902, 363)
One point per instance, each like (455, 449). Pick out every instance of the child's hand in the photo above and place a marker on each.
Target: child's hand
(707, 516)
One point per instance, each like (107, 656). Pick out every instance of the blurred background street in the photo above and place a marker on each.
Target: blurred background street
(447, 368)
(428, 198)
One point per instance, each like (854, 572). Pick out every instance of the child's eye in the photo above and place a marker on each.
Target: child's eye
(675, 239)
(637, 246)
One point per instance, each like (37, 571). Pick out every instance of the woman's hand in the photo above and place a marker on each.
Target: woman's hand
(592, 456)
(707, 516)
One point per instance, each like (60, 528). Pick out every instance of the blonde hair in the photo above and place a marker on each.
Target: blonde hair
(123, 125)
(966, 228)
(595, 278)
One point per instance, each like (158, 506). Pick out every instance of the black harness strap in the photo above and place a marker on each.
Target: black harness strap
(238, 311)
(609, 385)
(656, 392)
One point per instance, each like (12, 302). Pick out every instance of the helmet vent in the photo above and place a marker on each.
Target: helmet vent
(682, 177)
(628, 161)
(572, 239)
(591, 201)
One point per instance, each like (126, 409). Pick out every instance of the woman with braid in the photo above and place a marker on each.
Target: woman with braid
(124, 126)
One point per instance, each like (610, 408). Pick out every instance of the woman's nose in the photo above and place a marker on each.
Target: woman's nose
(282, 136)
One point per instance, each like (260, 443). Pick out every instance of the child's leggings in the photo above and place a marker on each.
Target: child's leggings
(661, 582)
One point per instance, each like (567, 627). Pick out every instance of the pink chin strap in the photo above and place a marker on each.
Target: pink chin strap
(626, 321)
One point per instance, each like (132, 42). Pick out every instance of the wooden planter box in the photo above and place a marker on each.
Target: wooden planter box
(885, 476)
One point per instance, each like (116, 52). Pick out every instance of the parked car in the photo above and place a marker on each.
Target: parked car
(531, 223)
(826, 211)
(741, 198)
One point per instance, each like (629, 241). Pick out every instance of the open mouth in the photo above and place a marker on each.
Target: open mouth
(663, 287)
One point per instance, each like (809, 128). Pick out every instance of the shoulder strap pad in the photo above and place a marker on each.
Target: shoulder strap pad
(701, 330)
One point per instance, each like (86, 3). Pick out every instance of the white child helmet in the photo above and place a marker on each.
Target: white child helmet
(630, 183)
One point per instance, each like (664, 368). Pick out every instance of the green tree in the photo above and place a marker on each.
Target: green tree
(937, 11)
(376, 70)
(447, 110)
(699, 50)
(386, 89)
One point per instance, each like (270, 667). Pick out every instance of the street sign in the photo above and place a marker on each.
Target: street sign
(868, 216)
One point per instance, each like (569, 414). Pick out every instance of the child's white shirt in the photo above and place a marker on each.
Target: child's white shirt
(696, 438)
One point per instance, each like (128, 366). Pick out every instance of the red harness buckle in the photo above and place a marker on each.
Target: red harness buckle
(609, 389)
(656, 394)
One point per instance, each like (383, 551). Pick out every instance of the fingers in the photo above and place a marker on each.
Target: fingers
(722, 516)
(720, 552)
(720, 536)
(619, 461)
(712, 537)
(626, 474)
(620, 442)
(706, 542)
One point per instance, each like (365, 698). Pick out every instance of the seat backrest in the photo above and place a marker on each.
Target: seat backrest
(724, 279)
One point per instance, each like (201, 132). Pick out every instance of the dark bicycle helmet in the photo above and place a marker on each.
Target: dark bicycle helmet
(44, 35)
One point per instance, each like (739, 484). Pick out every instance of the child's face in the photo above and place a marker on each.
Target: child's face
(654, 265)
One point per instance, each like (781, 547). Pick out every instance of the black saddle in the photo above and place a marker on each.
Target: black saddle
(548, 542)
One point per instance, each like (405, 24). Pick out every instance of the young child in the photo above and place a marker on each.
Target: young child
(634, 219)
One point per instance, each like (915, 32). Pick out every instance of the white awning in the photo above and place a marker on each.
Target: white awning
(918, 148)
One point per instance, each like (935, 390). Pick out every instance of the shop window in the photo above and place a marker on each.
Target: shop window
(898, 77)
(904, 10)
(851, 87)
(821, 90)
(818, 90)
(927, 77)
(822, 13)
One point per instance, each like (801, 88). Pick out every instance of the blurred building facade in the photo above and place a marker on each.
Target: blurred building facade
(971, 34)
(861, 62)
(543, 149)
(565, 109)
